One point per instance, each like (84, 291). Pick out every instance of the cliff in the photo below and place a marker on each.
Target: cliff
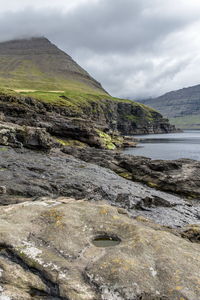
(87, 118)
(43, 86)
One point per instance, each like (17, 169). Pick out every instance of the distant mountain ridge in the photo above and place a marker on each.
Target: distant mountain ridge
(182, 107)
(36, 63)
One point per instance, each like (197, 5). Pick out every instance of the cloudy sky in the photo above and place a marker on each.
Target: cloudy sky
(135, 48)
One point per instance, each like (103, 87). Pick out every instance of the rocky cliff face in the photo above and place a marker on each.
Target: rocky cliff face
(182, 106)
(86, 119)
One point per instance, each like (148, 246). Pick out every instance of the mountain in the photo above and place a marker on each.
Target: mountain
(41, 86)
(182, 107)
(38, 64)
(78, 222)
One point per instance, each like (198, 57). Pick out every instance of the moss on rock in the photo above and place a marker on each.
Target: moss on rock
(71, 143)
(106, 140)
(126, 175)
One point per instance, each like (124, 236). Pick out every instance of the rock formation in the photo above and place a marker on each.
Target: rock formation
(181, 177)
(67, 118)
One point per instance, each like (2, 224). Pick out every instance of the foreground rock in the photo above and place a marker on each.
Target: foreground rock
(50, 255)
(28, 175)
(181, 176)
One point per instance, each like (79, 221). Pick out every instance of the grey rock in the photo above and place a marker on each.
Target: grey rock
(2, 190)
(29, 174)
(50, 255)
(31, 137)
(181, 177)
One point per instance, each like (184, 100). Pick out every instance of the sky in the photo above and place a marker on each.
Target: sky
(135, 48)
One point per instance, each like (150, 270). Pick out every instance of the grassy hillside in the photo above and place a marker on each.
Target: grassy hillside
(80, 97)
(187, 122)
(182, 107)
(37, 64)
(76, 98)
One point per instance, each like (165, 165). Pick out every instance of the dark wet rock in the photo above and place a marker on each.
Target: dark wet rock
(29, 175)
(50, 255)
(180, 177)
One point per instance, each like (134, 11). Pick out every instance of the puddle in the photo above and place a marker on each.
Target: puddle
(106, 241)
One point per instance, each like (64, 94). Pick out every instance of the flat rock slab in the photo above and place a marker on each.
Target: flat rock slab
(30, 175)
(181, 176)
(47, 252)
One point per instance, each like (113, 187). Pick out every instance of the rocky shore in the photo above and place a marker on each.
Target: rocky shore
(97, 121)
(81, 222)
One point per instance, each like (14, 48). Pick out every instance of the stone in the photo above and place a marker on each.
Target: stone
(181, 177)
(29, 175)
(2, 190)
(50, 255)
(31, 137)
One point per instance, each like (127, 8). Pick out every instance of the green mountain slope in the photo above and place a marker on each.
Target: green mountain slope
(182, 107)
(37, 64)
(41, 85)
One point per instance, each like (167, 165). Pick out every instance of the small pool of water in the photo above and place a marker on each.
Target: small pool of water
(168, 146)
(106, 241)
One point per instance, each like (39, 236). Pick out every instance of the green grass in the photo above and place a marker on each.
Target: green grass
(106, 140)
(28, 73)
(74, 99)
(187, 122)
(7, 92)
(79, 98)
(45, 85)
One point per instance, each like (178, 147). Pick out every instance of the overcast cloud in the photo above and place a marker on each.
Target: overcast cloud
(135, 48)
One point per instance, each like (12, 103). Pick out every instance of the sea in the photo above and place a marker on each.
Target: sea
(169, 146)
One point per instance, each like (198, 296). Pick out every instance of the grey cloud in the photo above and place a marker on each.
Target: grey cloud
(118, 41)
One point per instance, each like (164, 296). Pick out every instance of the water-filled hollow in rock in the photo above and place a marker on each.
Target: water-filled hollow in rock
(105, 240)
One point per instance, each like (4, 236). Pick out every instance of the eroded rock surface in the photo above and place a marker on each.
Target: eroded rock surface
(29, 175)
(47, 253)
(31, 137)
(181, 176)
